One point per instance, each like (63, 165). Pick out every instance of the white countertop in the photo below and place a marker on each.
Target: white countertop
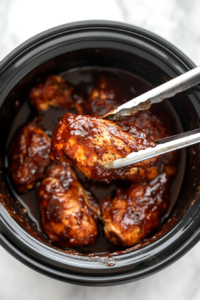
(175, 20)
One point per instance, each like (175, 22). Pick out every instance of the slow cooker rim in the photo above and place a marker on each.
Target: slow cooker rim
(90, 24)
(43, 35)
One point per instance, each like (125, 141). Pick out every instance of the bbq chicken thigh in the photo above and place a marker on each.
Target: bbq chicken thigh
(106, 95)
(89, 143)
(135, 212)
(28, 156)
(147, 120)
(157, 128)
(55, 91)
(69, 214)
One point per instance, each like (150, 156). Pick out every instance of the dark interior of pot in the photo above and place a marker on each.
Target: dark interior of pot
(82, 66)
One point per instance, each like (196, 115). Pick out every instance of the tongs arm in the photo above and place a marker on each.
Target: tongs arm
(163, 146)
(166, 90)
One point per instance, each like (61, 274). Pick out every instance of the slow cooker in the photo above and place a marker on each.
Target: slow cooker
(103, 44)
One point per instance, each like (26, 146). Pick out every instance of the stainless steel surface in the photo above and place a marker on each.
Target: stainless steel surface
(166, 90)
(163, 146)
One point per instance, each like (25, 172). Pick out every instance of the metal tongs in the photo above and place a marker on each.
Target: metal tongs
(143, 102)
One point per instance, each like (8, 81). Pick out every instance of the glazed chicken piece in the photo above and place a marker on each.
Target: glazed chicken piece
(156, 129)
(134, 213)
(79, 98)
(148, 121)
(28, 156)
(55, 91)
(89, 143)
(105, 96)
(69, 214)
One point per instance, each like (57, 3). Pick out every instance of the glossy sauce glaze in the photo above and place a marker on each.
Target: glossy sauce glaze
(135, 212)
(28, 156)
(132, 86)
(54, 91)
(106, 94)
(69, 213)
(89, 143)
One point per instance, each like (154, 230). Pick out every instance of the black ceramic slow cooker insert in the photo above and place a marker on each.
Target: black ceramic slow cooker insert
(111, 45)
